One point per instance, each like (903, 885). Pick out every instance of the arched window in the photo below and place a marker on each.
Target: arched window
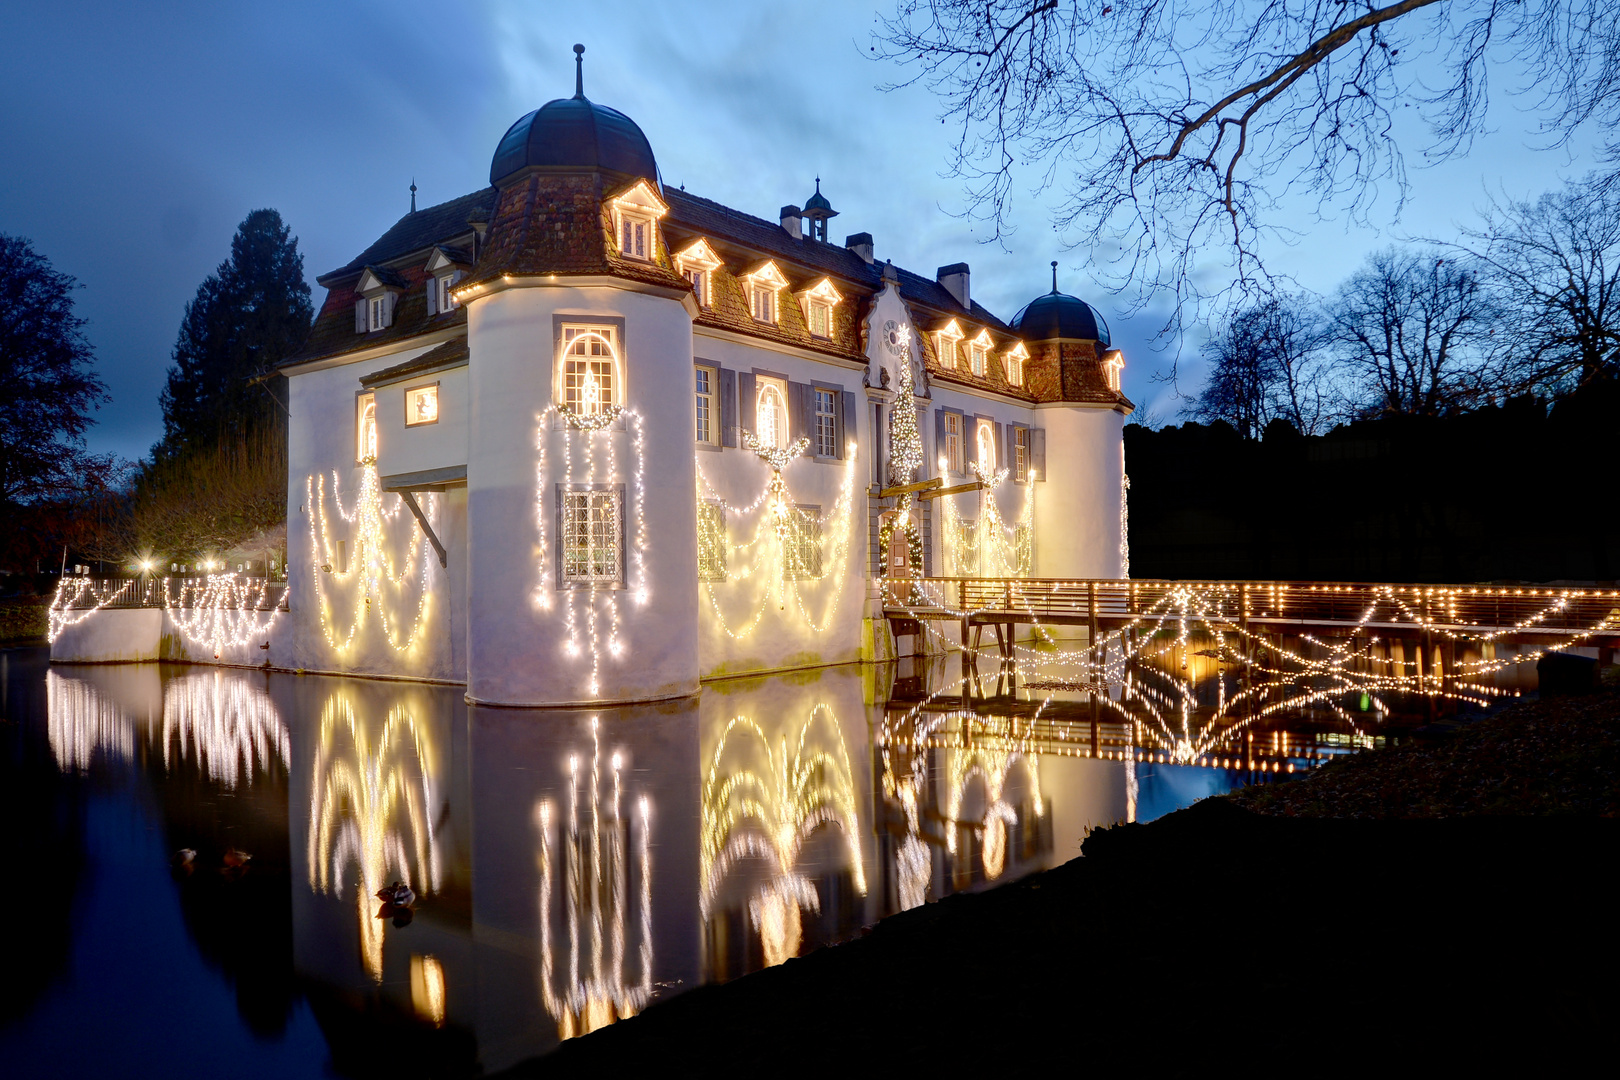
(588, 374)
(365, 428)
(772, 414)
(986, 439)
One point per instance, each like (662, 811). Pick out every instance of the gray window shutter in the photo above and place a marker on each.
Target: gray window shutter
(970, 436)
(1037, 451)
(1009, 448)
(939, 441)
(1004, 458)
(847, 422)
(728, 407)
(388, 309)
(433, 295)
(360, 316)
(799, 424)
(747, 404)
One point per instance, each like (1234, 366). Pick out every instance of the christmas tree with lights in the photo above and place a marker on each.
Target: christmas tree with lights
(905, 441)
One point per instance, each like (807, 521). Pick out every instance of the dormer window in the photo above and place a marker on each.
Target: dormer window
(635, 218)
(763, 285)
(444, 269)
(946, 342)
(1113, 362)
(979, 353)
(378, 290)
(696, 262)
(818, 303)
(1014, 363)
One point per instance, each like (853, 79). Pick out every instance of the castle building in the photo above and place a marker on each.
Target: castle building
(578, 437)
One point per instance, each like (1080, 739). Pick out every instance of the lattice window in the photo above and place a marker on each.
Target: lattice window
(953, 443)
(804, 543)
(712, 541)
(592, 531)
(365, 427)
(1020, 463)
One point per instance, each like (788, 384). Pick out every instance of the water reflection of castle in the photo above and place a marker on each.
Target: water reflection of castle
(568, 873)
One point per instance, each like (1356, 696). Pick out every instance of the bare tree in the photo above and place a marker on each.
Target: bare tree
(1556, 265)
(1172, 127)
(1268, 363)
(1412, 327)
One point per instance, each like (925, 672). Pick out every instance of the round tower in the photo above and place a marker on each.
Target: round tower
(582, 549)
(1074, 372)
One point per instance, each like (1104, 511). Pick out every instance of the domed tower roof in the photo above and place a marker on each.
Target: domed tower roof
(818, 201)
(575, 133)
(1059, 315)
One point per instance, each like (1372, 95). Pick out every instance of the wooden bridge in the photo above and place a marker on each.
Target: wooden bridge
(1327, 608)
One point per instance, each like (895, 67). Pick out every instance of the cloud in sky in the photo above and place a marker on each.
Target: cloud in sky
(135, 143)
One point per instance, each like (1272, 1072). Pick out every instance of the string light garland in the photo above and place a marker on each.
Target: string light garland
(216, 612)
(764, 800)
(596, 888)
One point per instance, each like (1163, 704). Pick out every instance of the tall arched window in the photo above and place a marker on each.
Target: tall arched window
(987, 446)
(365, 428)
(772, 414)
(588, 374)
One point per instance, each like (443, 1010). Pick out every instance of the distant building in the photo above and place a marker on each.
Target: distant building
(561, 376)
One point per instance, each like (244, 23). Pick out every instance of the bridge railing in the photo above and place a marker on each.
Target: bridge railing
(253, 592)
(1111, 600)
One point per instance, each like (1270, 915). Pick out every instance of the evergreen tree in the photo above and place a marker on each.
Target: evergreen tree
(247, 316)
(48, 388)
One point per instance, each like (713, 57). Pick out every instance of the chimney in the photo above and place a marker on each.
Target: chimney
(792, 222)
(860, 244)
(955, 280)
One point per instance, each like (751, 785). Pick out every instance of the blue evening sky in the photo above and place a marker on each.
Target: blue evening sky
(137, 137)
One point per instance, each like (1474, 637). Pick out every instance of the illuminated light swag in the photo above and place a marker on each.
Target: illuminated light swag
(790, 547)
(218, 612)
(373, 578)
(764, 802)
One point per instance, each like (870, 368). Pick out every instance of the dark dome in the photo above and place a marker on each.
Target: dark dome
(1059, 315)
(818, 201)
(574, 133)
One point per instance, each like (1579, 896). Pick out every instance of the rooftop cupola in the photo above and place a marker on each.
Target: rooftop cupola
(574, 135)
(818, 211)
(1057, 316)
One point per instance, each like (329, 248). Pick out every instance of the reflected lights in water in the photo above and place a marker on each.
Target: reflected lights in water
(232, 725)
(81, 721)
(369, 807)
(427, 989)
(763, 804)
(597, 888)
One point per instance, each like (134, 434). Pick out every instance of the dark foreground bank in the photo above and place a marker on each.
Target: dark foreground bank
(1217, 940)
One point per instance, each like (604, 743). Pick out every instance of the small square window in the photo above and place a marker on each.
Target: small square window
(422, 405)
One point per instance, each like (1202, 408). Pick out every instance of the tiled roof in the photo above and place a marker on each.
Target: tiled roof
(417, 232)
(563, 224)
(450, 354)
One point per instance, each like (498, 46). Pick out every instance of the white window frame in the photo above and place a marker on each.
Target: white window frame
(635, 222)
(780, 433)
(420, 387)
(947, 340)
(377, 312)
(699, 277)
(608, 335)
(825, 431)
(822, 312)
(365, 422)
(762, 303)
(976, 355)
(599, 562)
(447, 299)
(955, 459)
(1020, 461)
(706, 403)
(697, 262)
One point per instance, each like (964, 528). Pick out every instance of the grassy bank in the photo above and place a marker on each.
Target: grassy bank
(23, 620)
(1386, 911)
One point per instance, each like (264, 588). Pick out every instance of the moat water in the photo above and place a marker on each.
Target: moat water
(194, 854)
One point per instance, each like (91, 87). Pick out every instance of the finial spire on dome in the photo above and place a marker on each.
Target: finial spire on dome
(413, 194)
(579, 71)
(1054, 275)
